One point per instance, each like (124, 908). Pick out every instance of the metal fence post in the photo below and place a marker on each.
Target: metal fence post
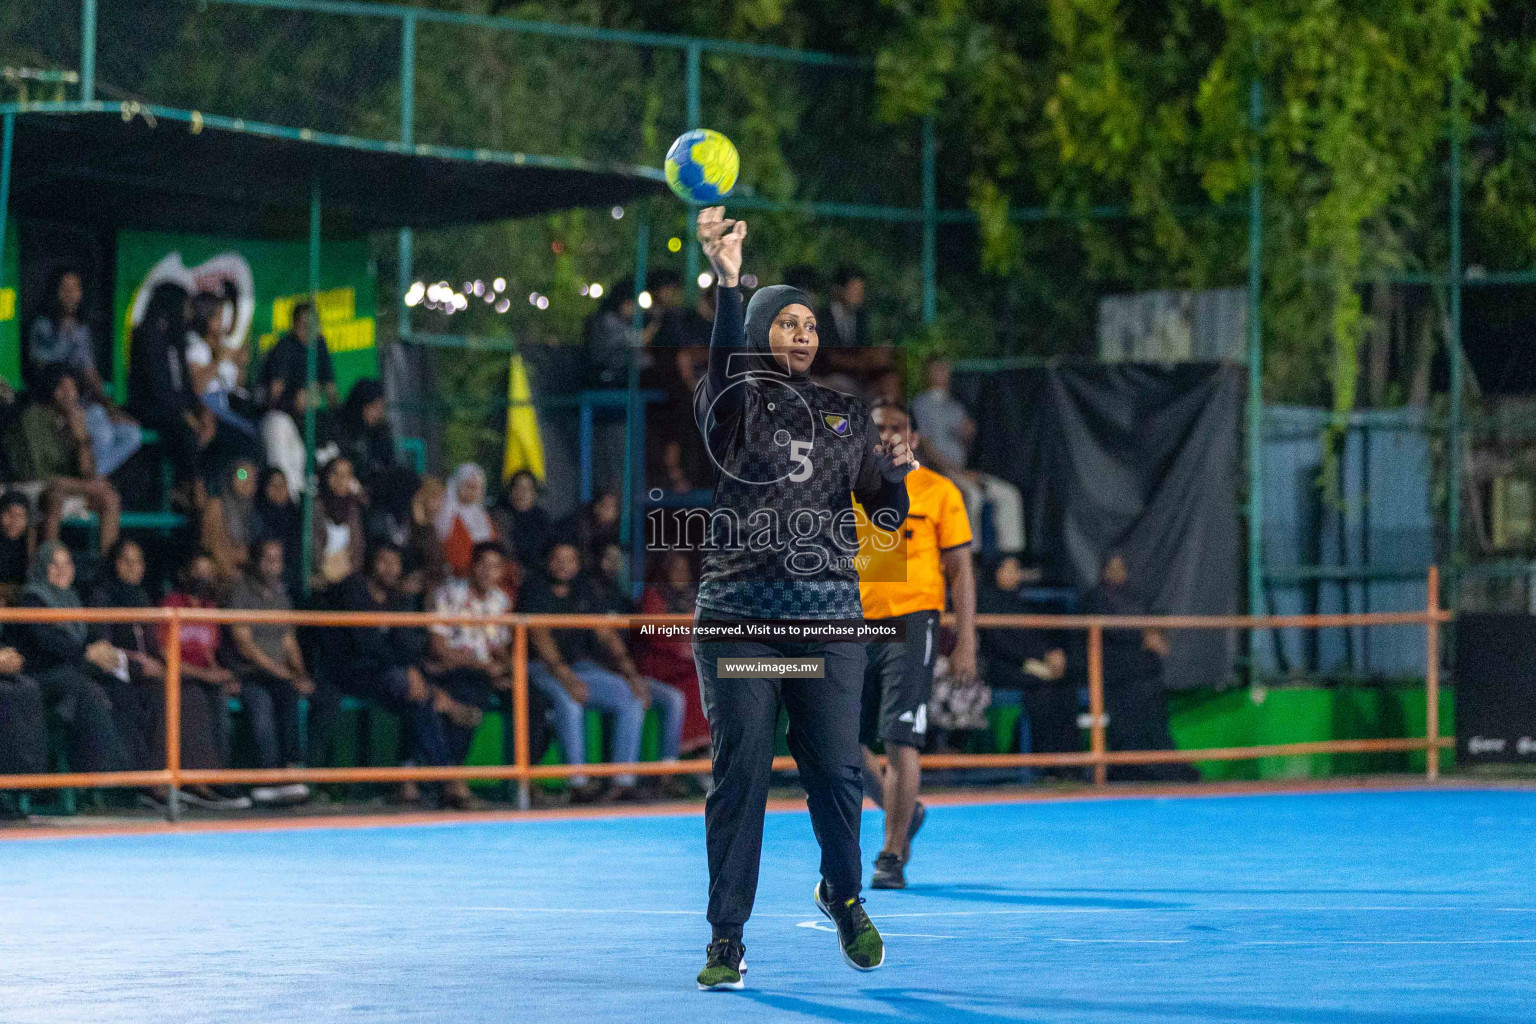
(1255, 361)
(1432, 677)
(634, 457)
(1096, 741)
(87, 50)
(311, 367)
(407, 138)
(692, 57)
(520, 713)
(173, 715)
(1453, 342)
(930, 222)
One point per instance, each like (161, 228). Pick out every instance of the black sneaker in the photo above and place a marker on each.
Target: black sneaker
(725, 964)
(857, 938)
(888, 874)
(919, 815)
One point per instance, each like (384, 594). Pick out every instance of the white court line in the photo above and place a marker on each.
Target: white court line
(823, 926)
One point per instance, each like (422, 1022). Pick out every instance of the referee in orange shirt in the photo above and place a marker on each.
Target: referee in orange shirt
(898, 677)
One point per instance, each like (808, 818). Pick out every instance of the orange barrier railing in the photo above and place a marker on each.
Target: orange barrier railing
(1097, 756)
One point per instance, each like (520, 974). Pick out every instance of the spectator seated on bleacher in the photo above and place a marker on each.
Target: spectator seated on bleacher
(283, 439)
(567, 669)
(463, 521)
(1134, 697)
(214, 367)
(338, 542)
(206, 685)
(60, 338)
(51, 453)
(278, 518)
(138, 707)
(947, 434)
(18, 537)
(287, 365)
(159, 386)
(75, 674)
(522, 522)
(1031, 661)
(672, 592)
(231, 524)
(271, 670)
(609, 587)
(593, 526)
(425, 564)
(472, 663)
(362, 433)
(23, 719)
(384, 664)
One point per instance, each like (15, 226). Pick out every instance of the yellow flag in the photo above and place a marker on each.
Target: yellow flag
(524, 449)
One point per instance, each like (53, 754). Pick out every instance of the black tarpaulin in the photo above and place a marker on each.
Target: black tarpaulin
(1133, 458)
(165, 174)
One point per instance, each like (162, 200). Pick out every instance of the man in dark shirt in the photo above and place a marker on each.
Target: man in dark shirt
(568, 671)
(382, 663)
(287, 365)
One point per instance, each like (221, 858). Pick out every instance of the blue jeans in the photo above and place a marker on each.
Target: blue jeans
(112, 443)
(218, 404)
(609, 691)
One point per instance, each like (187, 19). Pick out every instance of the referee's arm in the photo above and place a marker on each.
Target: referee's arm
(960, 581)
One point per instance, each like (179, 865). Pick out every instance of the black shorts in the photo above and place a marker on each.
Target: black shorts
(898, 680)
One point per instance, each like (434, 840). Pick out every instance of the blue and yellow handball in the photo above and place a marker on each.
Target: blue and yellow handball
(702, 166)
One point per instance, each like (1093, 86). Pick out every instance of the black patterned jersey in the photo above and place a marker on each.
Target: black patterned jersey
(782, 540)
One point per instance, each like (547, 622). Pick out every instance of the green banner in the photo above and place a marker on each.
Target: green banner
(10, 314)
(262, 280)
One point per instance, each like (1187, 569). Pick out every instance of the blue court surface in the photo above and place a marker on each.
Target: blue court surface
(1369, 907)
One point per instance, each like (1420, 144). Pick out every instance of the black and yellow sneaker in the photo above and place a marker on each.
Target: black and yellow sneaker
(857, 938)
(725, 964)
(888, 873)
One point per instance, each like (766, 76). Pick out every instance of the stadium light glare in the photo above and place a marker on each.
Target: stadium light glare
(644, 298)
(543, 302)
(706, 279)
(617, 213)
(502, 305)
(500, 284)
(595, 290)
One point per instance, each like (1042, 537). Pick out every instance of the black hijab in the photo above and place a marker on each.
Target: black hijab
(765, 305)
(13, 553)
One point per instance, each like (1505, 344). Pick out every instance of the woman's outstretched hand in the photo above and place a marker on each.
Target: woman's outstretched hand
(721, 240)
(896, 460)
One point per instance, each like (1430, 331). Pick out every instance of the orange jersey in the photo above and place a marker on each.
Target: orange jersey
(935, 523)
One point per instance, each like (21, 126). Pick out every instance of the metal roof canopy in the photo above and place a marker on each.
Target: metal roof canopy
(159, 168)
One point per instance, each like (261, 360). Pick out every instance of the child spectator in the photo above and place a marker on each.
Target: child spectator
(206, 685)
(271, 670)
(287, 365)
(463, 522)
(60, 338)
(522, 522)
(72, 672)
(17, 539)
(567, 671)
(672, 592)
(139, 707)
(278, 518)
(338, 526)
(231, 523)
(51, 450)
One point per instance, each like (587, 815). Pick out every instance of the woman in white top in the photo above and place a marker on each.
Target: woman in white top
(214, 381)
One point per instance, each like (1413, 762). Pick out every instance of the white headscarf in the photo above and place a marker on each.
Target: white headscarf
(473, 517)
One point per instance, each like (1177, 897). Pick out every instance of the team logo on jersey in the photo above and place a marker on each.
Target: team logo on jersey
(839, 425)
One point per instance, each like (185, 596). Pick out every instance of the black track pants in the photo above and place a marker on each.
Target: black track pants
(824, 739)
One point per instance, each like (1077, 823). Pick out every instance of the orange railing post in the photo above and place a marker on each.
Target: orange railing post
(1432, 677)
(520, 713)
(173, 714)
(1096, 703)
